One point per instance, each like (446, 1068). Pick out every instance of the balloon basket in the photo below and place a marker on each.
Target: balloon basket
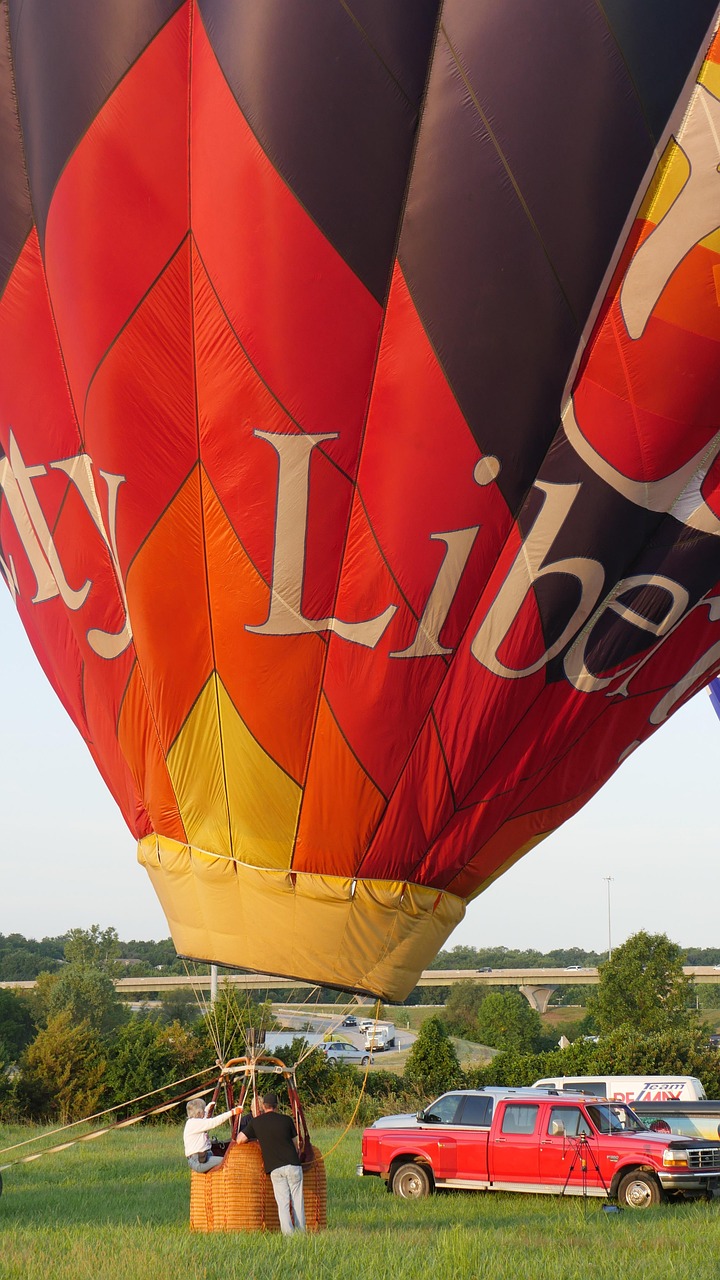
(237, 1195)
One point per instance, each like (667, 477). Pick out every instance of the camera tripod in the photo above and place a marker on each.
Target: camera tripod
(582, 1153)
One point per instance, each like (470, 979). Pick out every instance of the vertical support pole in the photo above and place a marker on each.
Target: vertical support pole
(608, 881)
(213, 983)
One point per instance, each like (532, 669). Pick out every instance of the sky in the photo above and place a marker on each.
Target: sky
(67, 859)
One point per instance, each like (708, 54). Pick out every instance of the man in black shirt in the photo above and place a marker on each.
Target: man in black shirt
(278, 1140)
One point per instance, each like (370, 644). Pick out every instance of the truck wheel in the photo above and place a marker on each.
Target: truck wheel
(639, 1190)
(411, 1182)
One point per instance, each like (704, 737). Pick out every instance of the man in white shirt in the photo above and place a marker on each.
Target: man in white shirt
(198, 1151)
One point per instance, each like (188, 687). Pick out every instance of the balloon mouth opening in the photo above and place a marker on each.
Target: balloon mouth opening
(370, 937)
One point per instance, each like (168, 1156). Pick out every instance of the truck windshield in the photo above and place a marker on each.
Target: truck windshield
(614, 1118)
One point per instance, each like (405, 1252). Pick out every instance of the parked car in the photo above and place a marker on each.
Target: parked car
(343, 1051)
(349, 1021)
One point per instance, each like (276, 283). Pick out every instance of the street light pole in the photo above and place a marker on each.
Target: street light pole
(608, 880)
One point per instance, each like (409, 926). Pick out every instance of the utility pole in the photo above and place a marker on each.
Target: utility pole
(608, 880)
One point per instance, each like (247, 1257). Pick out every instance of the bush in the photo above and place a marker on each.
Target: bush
(145, 1055)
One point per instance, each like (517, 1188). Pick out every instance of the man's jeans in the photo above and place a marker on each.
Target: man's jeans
(288, 1185)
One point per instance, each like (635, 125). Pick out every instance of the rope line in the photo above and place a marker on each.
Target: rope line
(110, 1128)
(97, 1115)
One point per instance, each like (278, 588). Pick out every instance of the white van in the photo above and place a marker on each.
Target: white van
(630, 1089)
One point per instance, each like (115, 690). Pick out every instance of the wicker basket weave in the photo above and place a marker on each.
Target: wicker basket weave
(238, 1195)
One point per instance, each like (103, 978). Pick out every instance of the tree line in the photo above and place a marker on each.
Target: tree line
(464, 957)
(70, 1048)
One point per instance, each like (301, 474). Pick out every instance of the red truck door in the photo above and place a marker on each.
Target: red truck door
(472, 1128)
(563, 1149)
(514, 1144)
(437, 1134)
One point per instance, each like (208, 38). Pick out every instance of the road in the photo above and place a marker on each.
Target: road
(323, 1022)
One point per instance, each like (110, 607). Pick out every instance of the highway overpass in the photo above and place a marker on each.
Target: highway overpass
(537, 985)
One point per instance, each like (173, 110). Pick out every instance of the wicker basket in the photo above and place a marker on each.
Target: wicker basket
(238, 1195)
(315, 1191)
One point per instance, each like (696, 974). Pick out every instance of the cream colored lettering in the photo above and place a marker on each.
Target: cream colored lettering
(698, 673)
(459, 544)
(693, 215)
(528, 568)
(16, 481)
(73, 597)
(45, 584)
(285, 615)
(106, 644)
(576, 669)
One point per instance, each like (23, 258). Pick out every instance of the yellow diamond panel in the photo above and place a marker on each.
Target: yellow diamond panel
(233, 798)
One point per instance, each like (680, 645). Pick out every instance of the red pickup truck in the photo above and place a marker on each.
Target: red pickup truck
(510, 1140)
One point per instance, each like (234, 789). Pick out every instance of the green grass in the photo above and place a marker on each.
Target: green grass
(117, 1209)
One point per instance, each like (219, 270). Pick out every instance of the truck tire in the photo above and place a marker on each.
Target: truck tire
(639, 1190)
(411, 1181)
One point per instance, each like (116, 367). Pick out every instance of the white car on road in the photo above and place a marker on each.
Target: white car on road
(343, 1051)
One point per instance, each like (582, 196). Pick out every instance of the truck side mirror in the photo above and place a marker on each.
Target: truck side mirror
(558, 1128)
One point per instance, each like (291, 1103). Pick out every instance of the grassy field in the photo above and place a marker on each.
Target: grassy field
(117, 1209)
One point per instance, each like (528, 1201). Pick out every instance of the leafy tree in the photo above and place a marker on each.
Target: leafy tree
(157, 955)
(84, 985)
(643, 986)
(505, 958)
(432, 1065)
(6, 1086)
(94, 948)
(461, 1009)
(587, 1026)
(703, 955)
(674, 1051)
(708, 995)
(63, 1071)
(22, 959)
(17, 1026)
(87, 994)
(506, 1021)
(180, 1006)
(20, 965)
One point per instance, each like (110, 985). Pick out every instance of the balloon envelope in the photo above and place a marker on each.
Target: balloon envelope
(359, 424)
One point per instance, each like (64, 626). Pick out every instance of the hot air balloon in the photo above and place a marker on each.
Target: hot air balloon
(359, 423)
